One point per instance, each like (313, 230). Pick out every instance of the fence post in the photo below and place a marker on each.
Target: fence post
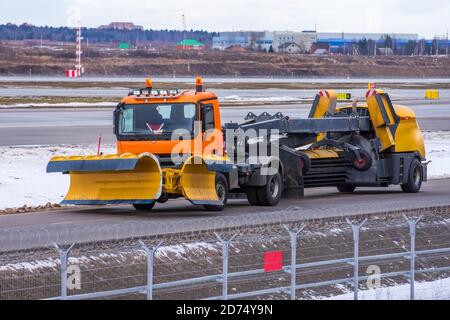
(293, 234)
(412, 255)
(64, 258)
(150, 254)
(225, 256)
(356, 231)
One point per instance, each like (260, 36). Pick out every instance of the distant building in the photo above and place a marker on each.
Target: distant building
(290, 47)
(386, 51)
(320, 49)
(263, 41)
(321, 52)
(352, 37)
(307, 41)
(304, 40)
(236, 49)
(343, 42)
(190, 45)
(246, 39)
(124, 46)
(127, 26)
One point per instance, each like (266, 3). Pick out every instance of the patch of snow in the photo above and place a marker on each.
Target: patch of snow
(180, 251)
(169, 252)
(430, 290)
(290, 99)
(63, 105)
(31, 266)
(24, 180)
(438, 151)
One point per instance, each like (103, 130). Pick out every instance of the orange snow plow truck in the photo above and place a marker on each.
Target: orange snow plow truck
(172, 144)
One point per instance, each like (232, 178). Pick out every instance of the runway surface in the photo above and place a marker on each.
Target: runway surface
(83, 126)
(106, 223)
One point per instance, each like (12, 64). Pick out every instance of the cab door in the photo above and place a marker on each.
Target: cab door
(212, 136)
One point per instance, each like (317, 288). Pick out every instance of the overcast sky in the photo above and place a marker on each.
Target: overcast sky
(426, 17)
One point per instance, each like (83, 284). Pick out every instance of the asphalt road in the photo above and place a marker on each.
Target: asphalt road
(106, 223)
(72, 126)
(227, 94)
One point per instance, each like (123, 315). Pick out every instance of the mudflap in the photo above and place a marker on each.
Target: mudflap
(112, 179)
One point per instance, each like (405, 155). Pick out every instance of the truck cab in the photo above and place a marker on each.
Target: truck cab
(165, 122)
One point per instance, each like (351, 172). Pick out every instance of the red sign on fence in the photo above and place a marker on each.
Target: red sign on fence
(273, 261)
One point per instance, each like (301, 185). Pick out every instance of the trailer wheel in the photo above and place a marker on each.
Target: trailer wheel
(144, 207)
(270, 194)
(252, 196)
(346, 189)
(415, 178)
(222, 193)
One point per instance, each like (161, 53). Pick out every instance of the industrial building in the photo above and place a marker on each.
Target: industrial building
(245, 39)
(265, 41)
(123, 26)
(305, 41)
(341, 42)
(190, 45)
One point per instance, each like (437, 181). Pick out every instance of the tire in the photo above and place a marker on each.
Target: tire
(252, 196)
(415, 178)
(222, 193)
(144, 207)
(346, 189)
(270, 194)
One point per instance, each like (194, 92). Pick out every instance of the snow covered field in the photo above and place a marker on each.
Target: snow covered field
(24, 180)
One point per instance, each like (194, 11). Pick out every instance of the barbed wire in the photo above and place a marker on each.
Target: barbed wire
(118, 259)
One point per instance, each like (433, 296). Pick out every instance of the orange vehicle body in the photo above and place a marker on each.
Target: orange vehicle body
(204, 143)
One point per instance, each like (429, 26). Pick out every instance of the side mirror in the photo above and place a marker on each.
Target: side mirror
(116, 116)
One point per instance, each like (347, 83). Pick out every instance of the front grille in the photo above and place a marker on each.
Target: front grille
(166, 161)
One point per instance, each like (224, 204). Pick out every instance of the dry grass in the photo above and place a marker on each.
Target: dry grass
(18, 58)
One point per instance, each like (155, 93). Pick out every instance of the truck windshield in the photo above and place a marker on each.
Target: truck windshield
(157, 119)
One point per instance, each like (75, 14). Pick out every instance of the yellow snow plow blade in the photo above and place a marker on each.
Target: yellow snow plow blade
(115, 179)
(198, 184)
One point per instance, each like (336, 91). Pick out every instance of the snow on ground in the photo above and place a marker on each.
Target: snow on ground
(61, 105)
(282, 99)
(438, 151)
(432, 290)
(170, 253)
(24, 180)
(226, 100)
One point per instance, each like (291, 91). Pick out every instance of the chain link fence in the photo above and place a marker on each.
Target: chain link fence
(381, 256)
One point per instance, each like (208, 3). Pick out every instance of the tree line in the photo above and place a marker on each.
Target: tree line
(95, 35)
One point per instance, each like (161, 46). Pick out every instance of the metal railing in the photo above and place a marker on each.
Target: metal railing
(292, 270)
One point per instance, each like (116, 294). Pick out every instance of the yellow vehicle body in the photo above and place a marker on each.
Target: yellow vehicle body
(397, 129)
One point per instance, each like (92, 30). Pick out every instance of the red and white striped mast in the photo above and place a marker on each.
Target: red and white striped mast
(78, 67)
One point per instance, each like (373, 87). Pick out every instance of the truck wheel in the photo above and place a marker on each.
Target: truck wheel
(270, 194)
(252, 196)
(222, 193)
(415, 178)
(346, 189)
(144, 207)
